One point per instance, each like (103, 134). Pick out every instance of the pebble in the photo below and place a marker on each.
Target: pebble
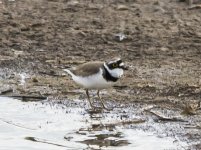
(122, 7)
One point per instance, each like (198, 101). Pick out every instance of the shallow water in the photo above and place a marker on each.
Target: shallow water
(36, 125)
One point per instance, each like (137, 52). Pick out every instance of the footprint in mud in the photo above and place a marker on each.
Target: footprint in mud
(102, 136)
(101, 131)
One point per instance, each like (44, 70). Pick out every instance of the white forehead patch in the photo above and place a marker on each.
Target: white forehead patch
(121, 64)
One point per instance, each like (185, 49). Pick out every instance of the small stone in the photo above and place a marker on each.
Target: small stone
(159, 9)
(122, 7)
(120, 37)
(24, 28)
(94, 7)
(73, 3)
(34, 80)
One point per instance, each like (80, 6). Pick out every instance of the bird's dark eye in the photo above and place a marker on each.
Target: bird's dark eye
(114, 65)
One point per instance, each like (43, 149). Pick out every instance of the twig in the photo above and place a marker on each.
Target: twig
(193, 127)
(130, 50)
(6, 91)
(194, 7)
(14, 124)
(54, 74)
(162, 118)
(125, 123)
(28, 98)
(43, 141)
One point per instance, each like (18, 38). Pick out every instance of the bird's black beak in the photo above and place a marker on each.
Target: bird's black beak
(124, 67)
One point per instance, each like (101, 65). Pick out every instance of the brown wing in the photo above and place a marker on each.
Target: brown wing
(88, 69)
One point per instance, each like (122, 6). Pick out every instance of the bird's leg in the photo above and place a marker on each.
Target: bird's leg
(102, 102)
(87, 93)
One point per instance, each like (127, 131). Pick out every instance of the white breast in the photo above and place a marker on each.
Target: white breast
(95, 81)
(117, 73)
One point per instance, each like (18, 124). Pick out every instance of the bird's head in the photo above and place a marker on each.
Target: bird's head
(115, 67)
(116, 64)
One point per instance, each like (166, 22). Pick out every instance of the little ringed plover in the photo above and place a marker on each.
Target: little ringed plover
(97, 75)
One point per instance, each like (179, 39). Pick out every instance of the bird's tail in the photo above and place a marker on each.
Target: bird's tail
(69, 72)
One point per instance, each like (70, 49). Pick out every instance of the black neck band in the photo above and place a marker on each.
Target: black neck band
(108, 76)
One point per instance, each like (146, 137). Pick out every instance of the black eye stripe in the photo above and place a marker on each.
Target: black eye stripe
(110, 65)
(119, 61)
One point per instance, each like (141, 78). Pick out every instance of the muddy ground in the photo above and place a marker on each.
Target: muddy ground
(161, 44)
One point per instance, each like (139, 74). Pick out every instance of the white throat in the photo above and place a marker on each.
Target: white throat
(117, 73)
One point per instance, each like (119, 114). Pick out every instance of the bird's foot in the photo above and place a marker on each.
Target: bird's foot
(95, 110)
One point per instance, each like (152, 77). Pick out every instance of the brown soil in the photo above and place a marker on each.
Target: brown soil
(162, 48)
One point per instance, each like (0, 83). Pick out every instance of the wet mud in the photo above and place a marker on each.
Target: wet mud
(158, 39)
(54, 125)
